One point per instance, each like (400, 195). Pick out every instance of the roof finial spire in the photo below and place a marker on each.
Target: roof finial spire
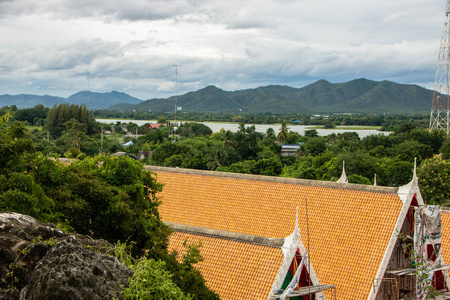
(375, 180)
(343, 178)
(415, 169)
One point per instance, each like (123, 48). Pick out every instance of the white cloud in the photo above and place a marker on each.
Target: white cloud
(49, 46)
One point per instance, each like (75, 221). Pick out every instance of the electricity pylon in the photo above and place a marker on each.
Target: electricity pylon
(440, 109)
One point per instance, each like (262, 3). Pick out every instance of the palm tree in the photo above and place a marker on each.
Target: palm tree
(283, 135)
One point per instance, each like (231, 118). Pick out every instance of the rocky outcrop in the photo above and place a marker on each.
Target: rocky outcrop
(50, 264)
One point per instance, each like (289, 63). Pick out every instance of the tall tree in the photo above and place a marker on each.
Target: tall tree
(283, 135)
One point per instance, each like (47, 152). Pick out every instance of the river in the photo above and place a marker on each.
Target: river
(215, 127)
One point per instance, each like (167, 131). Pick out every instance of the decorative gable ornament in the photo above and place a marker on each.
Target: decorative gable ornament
(343, 178)
(292, 248)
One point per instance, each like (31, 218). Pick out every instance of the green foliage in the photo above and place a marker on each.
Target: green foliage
(314, 146)
(302, 169)
(193, 129)
(359, 163)
(35, 115)
(398, 173)
(240, 167)
(151, 281)
(268, 166)
(174, 161)
(434, 180)
(109, 198)
(17, 130)
(72, 153)
(167, 150)
(58, 116)
(102, 197)
(247, 140)
(354, 178)
(14, 143)
(310, 133)
(445, 150)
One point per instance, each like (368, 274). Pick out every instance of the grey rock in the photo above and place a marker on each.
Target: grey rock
(68, 270)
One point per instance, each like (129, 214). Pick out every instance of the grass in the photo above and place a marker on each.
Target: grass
(348, 127)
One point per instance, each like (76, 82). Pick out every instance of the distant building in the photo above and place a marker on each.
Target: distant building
(151, 126)
(289, 149)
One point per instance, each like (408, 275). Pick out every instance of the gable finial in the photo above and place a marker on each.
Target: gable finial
(415, 169)
(375, 180)
(343, 178)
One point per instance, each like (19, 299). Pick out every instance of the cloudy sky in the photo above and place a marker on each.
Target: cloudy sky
(60, 47)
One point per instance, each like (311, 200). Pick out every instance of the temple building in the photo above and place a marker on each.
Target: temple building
(283, 238)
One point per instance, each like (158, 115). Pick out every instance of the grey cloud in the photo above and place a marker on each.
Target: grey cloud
(240, 45)
(111, 9)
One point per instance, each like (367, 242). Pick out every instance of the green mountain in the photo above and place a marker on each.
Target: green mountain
(102, 100)
(321, 97)
(91, 99)
(356, 96)
(28, 101)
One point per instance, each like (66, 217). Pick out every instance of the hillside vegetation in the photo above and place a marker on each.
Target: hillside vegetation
(321, 97)
(92, 100)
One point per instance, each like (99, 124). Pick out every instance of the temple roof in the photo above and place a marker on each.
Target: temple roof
(350, 226)
(230, 267)
(445, 218)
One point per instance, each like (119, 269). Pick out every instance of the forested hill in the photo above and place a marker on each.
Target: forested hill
(92, 99)
(356, 96)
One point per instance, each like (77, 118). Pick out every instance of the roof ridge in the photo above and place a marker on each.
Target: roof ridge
(241, 237)
(310, 182)
(445, 209)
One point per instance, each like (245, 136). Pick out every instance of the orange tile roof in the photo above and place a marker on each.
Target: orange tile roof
(224, 259)
(445, 217)
(349, 228)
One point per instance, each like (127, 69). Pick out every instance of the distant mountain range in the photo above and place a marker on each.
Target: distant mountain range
(356, 96)
(321, 97)
(91, 99)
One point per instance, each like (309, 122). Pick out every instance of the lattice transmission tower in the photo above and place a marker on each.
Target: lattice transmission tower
(440, 109)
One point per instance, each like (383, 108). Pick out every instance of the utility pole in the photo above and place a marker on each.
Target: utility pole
(176, 98)
(88, 77)
(440, 108)
(101, 141)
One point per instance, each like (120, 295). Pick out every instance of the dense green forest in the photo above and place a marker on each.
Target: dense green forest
(115, 199)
